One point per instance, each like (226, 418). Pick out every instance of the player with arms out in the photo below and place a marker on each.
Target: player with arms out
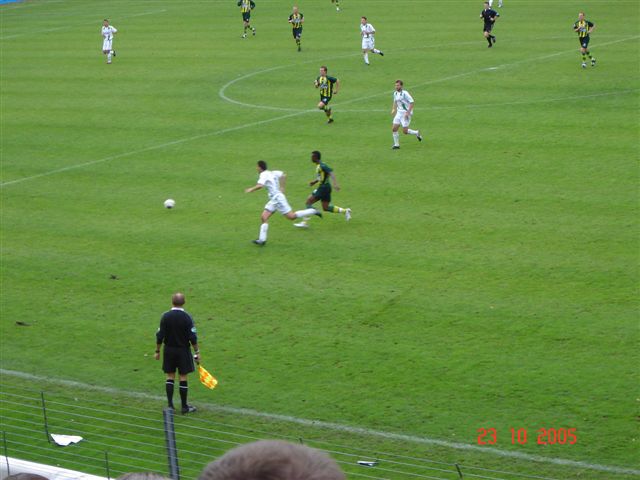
(402, 111)
(328, 88)
(296, 19)
(489, 17)
(245, 8)
(108, 31)
(274, 182)
(324, 178)
(584, 28)
(368, 39)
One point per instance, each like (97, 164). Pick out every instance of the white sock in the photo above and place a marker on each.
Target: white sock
(375, 50)
(305, 213)
(109, 57)
(263, 232)
(412, 132)
(366, 57)
(490, 3)
(396, 139)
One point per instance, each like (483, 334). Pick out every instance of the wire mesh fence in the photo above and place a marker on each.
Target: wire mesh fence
(117, 441)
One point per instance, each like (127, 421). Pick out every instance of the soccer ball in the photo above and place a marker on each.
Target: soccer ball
(169, 203)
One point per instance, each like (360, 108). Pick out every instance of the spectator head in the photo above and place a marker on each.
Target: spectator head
(141, 476)
(273, 460)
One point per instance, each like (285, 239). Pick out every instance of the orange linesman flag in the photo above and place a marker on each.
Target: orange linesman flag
(206, 378)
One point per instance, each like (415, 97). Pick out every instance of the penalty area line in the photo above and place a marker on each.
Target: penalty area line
(247, 412)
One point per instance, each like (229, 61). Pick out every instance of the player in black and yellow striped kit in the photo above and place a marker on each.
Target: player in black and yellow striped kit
(584, 27)
(245, 8)
(323, 180)
(328, 87)
(296, 19)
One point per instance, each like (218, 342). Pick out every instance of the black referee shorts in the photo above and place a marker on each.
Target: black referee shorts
(177, 358)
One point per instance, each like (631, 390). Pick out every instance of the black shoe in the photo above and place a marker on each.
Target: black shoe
(489, 46)
(493, 37)
(260, 242)
(254, 31)
(330, 120)
(188, 409)
(381, 54)
(395, 147)
(419, 136)
(114, 52)
(299, 48)
(318, 213)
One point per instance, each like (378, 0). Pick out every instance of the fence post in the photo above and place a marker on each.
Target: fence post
(170, 438)
(6, 451)
(106, 464)
(44, 414)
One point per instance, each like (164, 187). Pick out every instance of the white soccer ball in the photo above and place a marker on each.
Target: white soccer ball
(169, 203)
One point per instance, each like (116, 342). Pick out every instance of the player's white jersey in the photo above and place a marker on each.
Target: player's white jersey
(107, 32)
(402, 99)
(271, 181)
(367, 30)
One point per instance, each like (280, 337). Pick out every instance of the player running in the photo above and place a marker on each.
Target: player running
(274, 182)
(584, 28)
(108, 31)
(296, 19)
(245, 8)
(329, 87)
(368, 39)
(324, 178)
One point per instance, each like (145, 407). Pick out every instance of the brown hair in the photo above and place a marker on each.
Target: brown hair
(273, 460)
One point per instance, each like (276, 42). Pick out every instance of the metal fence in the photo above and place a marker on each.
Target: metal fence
(118, 439)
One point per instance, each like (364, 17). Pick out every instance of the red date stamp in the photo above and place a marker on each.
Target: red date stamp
(519, 436)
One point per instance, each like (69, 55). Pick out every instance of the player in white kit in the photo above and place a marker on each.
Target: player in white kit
(368, 39)
(402, 112)
(108, 31)
(273, 181)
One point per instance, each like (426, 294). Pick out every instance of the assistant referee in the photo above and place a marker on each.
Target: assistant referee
(178, 332)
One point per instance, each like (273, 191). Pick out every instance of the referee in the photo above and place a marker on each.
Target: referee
(177, 331)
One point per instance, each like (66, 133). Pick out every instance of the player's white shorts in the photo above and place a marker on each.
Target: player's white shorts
(400, 119)
(368, 43)
(279, 203)
(106, 44)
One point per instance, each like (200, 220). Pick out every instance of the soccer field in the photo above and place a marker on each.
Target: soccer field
(488, 278)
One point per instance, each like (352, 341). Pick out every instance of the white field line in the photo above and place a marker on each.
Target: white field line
(68, 27)
(151, 148)
(505, 104)
(222, 92)
(247, 412)
(275, 119)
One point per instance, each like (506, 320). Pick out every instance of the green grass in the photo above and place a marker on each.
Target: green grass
(488, 279)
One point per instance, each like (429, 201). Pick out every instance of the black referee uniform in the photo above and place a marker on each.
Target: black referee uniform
(178, 333)
(489, 17)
